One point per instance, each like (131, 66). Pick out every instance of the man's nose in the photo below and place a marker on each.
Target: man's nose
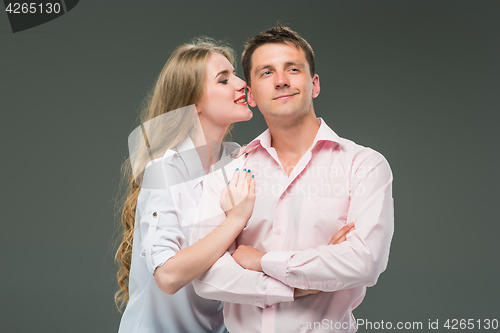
(281, 81)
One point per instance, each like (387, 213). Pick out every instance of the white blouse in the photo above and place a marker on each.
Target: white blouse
(167, 202)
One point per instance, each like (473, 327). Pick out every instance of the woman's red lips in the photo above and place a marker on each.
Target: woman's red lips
(240, 99)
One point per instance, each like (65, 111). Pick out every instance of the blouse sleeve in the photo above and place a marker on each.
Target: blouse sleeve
(158, 218)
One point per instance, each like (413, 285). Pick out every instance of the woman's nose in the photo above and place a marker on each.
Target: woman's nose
(240, 84)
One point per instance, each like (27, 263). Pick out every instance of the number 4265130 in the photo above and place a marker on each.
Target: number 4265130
(464, 324)
(32, 8)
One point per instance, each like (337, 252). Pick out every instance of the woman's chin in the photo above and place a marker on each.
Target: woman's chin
(248, 115)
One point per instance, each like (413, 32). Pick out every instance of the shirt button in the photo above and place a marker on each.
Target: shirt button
(278, 231)
(155, 214)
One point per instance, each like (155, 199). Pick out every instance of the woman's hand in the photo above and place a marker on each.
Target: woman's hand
(238, 197)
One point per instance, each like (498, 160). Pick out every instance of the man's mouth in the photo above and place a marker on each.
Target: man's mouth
(285, 96)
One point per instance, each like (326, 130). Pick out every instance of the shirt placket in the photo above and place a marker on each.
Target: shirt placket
(279, 230)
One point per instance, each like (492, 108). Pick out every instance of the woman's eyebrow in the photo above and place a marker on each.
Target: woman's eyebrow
(226, 71)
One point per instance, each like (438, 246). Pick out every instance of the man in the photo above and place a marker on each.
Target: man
(284, 275)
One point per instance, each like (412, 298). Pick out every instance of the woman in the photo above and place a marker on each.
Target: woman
(159, 261)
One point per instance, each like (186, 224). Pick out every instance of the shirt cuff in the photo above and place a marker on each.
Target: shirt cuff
(158, 259)
(277, 292)
(275, 263)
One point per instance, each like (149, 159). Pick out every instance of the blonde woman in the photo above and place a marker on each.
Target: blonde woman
(157, 265)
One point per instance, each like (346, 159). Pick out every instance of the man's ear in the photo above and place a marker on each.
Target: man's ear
(250, 99)
(316, 88)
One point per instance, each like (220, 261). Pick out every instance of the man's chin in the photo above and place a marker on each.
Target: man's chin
(285, 113)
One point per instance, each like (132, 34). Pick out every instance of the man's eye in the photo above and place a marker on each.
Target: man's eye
(266, 73)
(294, 69)
(224, 81)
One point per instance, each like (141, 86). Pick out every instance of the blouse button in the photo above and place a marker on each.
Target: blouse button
(155, 214)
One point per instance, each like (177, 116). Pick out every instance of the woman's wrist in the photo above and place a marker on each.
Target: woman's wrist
(233, 218)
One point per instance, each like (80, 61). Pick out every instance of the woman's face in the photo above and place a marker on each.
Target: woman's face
(223, 99)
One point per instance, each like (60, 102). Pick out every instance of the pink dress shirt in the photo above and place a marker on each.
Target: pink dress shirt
(335, 182)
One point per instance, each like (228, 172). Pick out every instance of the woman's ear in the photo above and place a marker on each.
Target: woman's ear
(250, 99)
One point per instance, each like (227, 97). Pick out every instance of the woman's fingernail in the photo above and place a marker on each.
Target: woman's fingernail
(248, 170)
(244, 169)
(237, 169)
(231, 155)
(246, 154)
(228, 182)
(253, 176)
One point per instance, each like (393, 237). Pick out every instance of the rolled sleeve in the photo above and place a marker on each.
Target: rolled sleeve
(159, 220)
(160, 231)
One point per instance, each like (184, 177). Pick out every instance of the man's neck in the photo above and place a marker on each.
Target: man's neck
(293, 138)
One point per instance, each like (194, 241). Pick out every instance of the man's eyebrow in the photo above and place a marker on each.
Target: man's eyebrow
(294, 63)
(261, 67)
(288, 63)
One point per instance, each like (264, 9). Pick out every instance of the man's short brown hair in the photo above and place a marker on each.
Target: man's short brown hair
(277, 34)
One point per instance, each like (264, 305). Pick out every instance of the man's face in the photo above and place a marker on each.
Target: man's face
(281, 82)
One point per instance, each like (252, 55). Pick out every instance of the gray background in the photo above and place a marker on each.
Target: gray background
(416, 80)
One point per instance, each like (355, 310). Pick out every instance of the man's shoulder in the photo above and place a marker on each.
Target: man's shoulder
(346, 146)
(360, 154)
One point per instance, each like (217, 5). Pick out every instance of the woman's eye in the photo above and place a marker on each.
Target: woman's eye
(224, 81)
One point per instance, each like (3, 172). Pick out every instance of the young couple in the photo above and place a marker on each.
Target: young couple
(277, 242)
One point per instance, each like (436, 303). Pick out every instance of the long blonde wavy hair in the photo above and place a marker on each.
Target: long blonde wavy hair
(179, 84)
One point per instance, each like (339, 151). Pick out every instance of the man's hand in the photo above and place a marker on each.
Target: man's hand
(248, 257)
(338, 238)
(301, 292)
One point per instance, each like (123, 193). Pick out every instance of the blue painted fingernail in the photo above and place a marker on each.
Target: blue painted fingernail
(248, 170)
(253, 176)
(246, 154)
(237, 169)
(244, 169)
(228, 182)
(231, 155)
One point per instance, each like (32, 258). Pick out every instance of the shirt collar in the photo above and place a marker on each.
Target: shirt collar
(325, 133)
(189, 156)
